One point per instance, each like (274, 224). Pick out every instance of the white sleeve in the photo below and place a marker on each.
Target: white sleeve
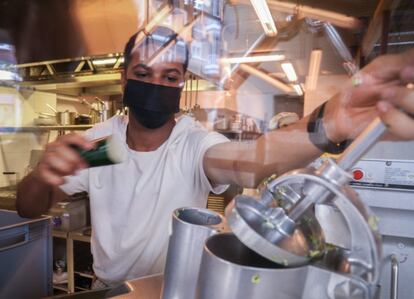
(76, 183)
(210, 139)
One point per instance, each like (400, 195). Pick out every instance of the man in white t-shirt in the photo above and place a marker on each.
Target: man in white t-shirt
(173, 163)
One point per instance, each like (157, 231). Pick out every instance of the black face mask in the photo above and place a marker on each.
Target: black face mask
(151, 104)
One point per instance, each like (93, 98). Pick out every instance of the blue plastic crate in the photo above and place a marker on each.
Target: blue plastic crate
(26, 267)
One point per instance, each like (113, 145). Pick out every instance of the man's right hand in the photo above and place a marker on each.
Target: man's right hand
(60, 159)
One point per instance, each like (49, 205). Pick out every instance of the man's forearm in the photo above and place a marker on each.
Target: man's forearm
(246, 164)
(35, 197)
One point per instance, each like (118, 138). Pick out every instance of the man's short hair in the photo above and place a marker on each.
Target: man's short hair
(167, 35)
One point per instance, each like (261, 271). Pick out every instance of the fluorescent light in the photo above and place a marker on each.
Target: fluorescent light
(303, 11)
(314, 68)
(106, 61)
(265, 77)
(298, 89)
(289, 71)
(265, 17)
(249, 59)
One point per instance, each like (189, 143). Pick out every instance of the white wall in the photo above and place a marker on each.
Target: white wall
(19, 109)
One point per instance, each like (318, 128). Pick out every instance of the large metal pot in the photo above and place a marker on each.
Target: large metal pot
(190, 228)
(231, 270)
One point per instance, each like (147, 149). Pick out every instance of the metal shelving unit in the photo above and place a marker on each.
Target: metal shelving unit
(31, 129)
(76, 235)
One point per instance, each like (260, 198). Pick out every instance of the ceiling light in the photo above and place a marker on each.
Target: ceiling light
(262, 75)
(106, 61)
(265, 17)
(298, 89)
(289, 71)
(250, 59)
(314, 68)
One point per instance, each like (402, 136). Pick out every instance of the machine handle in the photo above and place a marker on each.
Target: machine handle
(394, 277)
(361, 144)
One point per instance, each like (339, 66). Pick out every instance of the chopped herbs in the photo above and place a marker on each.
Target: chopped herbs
(255, 279)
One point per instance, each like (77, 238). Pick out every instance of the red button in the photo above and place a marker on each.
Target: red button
(358, 174)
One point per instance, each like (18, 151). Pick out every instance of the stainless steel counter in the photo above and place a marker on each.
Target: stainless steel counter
(144, 288)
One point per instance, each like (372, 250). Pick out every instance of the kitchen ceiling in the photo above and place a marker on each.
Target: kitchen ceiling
(48, 29)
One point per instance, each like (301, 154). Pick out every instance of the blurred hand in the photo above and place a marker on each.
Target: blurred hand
(397, 111)
(382, 92)
(60, 160)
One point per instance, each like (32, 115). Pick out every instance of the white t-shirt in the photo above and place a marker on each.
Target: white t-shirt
(132, 202)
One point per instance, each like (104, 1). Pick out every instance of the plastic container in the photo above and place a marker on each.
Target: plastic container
(25, 256)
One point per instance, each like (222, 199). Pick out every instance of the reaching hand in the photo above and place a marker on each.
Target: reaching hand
(382, 92)
(60, 160)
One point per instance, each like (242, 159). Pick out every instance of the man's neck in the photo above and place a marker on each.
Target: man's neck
(142, 139)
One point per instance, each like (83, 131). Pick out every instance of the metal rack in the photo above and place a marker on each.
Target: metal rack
(70, 237)
(31, 129)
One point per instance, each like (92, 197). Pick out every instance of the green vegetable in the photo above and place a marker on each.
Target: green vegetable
(255, 279)
(373, 222)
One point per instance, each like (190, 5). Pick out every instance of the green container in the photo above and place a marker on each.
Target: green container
(108, 151)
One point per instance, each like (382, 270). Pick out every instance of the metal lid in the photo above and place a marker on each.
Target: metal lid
(252, 222)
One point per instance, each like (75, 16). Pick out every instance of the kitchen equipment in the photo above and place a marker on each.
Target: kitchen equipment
(68, 216)
(83, 119)
(107, 151)
(65, 118)
(45, 119)
(25, 256)
(99, 110)
(273, 240)
(221, 123)
(231, 270)
(190, 228)
(384, 179)
(287, 226)
(235, 126)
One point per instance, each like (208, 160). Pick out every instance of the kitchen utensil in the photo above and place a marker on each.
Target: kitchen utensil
(45, 119)
(66, 118)
(273, 240)
(231, 270)
(109, 150)
(221, 123)
(83, 119)
(190, 228)
(99, 110)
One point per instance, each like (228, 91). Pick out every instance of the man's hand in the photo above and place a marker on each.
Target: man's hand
(397, 111)
(60, 160)
(381, 90)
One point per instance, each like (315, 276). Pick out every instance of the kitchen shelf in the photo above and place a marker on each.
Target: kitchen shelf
(61, 288)
(78, 235)
(70, 237)
(87, 275)
(30, 129)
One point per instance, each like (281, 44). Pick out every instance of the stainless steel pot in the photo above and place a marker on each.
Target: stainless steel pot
(230, 270)
(190, 228)
(65, 118)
